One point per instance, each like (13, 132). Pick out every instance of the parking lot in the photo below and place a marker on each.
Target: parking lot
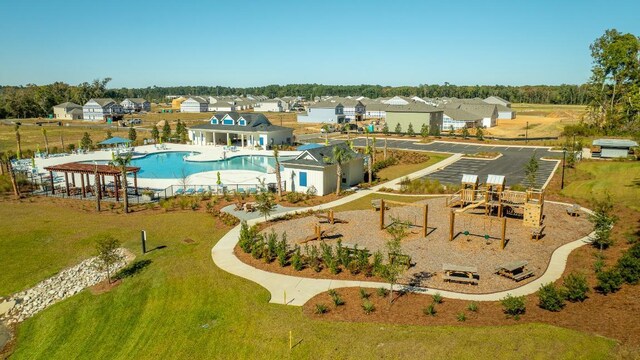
(511, 164)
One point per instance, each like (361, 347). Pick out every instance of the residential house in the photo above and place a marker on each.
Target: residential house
(456, 119)
(488, 112)
(271, 105)
(353, 109)
(194, 104)
(243, 129)
(415, 114)
(323, 112)
(67, 111)
(135, 104)
(102, 109)
(497, 101)
(316, 169)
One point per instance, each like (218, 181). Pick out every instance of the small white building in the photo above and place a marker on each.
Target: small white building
(326, 112)
(67, 111)
(194, 104)
(316, 169)
(271, 105)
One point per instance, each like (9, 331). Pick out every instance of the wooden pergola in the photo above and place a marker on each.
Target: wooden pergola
(100, 171)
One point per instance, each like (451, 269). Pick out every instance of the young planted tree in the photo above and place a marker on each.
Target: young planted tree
(465, 133)
(132, 133)
(341, 155)
(392, 270)
(424, 131)
(107, 249)
(385, 149)
(121, 162)
(385, 129)
(276, 154)
(46, 140)
(155, 134)
(530, 170)
(265, 204)
(479, 134)
(86, 141)
(398, 129)
(369, 152)
(602, 220)
(410, 131)
(166, 131)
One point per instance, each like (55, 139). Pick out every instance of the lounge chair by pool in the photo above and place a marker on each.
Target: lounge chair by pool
(189, 192)
(200, 190)
(180, 191)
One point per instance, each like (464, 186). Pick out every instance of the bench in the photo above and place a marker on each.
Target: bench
(522, 275)
(376, 205)
(537, 232)
(574, 210)
(461, 279)
(515, 270)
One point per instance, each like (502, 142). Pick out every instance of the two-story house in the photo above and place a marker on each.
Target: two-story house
(135, 105)
(102, 109)
(323, 112)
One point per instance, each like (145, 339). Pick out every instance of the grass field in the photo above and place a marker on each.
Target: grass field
(183, 306)
(400, 170)
(592, 179)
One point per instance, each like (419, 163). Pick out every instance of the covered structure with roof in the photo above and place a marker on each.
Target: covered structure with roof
(399, 117)
(456, 119)
(67, 111)
(612, 148)
(316, 169)
(88, 171)
(194, 104)
(243, 129)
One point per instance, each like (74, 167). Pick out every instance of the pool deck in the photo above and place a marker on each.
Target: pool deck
(206, 153)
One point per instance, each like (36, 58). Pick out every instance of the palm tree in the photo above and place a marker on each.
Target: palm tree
(369, 152)
(17, 130)
(46, 140)
(278, 175)
(122, 162)
(341, 154)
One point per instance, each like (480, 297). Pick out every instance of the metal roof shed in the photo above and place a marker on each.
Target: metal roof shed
(614, 148)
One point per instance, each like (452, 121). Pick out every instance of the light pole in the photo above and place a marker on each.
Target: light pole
(526, 133)
(564, 154)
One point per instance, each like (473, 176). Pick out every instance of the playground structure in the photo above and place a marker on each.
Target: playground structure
(382, 206)
(453, 234)
(497, 199)
(329, 217)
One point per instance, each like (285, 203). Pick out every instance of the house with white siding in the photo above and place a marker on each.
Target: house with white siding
(456, 119)
(241, 129)
(102, 109)
(223, 105)
(271, 105)
(353, 109)
(135, 105)
(194, 104)
(326, 112)
(67, 111)
(316, 169)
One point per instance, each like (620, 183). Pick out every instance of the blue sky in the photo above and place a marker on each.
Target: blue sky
(254, 43)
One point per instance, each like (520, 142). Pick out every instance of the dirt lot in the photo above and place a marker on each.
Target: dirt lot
(544, 120)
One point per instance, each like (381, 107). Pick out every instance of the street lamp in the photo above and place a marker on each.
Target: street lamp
(564, 155)
(526, 133)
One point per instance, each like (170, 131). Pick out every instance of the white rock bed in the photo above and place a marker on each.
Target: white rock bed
(65, 284)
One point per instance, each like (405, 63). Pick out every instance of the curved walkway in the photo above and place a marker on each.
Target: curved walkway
(293, 290)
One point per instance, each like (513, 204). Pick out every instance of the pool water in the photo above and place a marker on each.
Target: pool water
(168, 165)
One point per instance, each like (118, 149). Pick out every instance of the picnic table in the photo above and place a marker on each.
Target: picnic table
(536, 233)
(515, 270)
(574, 210)
(462, 274)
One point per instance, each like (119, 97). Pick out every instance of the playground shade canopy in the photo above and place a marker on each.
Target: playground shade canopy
(469, 179)
(114, 141)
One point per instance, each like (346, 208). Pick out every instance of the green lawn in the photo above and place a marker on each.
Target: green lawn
(183, 306)
(364, 203)
(620, 179)
(396, 171)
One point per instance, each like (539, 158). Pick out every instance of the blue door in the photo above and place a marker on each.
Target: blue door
(303, 178)
(261, 141)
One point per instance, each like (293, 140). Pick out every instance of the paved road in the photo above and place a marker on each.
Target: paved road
(511, 164)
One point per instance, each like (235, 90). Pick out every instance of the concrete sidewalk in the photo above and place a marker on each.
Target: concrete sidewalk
(293, 290)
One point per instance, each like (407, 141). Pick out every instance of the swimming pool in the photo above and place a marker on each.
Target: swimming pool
(167, 165)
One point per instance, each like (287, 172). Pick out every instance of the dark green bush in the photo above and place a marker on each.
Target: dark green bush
(430, 310)
(296, 259)
(576, 287)
(550, 297)
(629, 268)
(609, 281)
(514, 305)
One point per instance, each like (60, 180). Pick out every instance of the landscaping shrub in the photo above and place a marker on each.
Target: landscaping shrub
(430, 310)
(321, 309)
(609, 281)
(364, 294)
(381, 164)
(270, 251)
(247, 237)
(368, 307)
(282, 251)
(312, 257)
(473, 306)
(461, 317)
(353, 267)
(257, 249)
(378, 266)
(550, 297)
(437, 298)
(362, 260)
(337, 300)
(423, 186)
(294, 197)
(576, 287)
(329, 259)
(382, 292)
(342, 255)
(629, 266)
(513, 305)
(602, 220)
(296, 259)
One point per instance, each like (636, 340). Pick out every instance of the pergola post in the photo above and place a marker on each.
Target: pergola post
(135, 182)
(504, 231)
(242, 140)
(382, 214)
(228, 139)
(84, 191)
(53, 190)
(115, 183)
(425, 219)
(66, 181)
(452, 221)
(73, 179)
(214, 138)
(103, 183)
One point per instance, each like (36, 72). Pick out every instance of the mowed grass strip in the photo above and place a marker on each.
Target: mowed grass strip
(183, 306)
(400, 170)
(620, 179)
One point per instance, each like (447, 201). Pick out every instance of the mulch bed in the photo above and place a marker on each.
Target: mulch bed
(429, 254)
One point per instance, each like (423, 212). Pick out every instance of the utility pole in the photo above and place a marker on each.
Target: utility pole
(526, 133)
(564, 154)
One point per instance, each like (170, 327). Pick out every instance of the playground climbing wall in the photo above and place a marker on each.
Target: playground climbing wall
(532, 214)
